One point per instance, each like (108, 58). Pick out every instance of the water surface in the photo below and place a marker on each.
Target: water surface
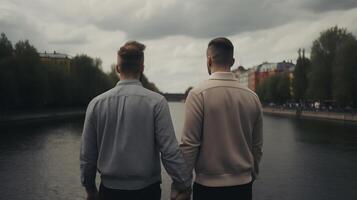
(303, 159)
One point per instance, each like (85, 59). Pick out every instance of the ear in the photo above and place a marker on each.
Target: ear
(209, 64)
(209, 61)
(142, 67)
(117, 67)
(233, 60)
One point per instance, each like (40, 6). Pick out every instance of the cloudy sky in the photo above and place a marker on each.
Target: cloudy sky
(176, 32)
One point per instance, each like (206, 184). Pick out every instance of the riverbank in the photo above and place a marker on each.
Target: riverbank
(53, 115)
(345, 117)
(40, 116)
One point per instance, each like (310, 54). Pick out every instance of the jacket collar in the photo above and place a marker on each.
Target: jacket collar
(229, 76)
(129, 82)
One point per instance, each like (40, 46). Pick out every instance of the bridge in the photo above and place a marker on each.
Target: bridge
(175, 96)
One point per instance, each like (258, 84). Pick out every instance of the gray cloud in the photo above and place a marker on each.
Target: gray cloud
(17, 26)
(200, 18)
(329, 5)
(145, 19)
(71, 40)
(209, 18)
(176, 32)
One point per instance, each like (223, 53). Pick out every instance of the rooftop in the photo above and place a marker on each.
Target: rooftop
(54, 55)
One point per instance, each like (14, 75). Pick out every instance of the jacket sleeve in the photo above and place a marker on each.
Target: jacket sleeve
(192, 130)
(257, 144)
(89, 151)
(171, 154)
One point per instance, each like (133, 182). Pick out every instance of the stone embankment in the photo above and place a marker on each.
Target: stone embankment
(347, 117)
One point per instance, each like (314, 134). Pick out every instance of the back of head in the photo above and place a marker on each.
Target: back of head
(221, 51)
(131, 58)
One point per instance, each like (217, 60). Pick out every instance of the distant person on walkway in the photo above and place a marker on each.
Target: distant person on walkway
(222, 135)
(126, 131)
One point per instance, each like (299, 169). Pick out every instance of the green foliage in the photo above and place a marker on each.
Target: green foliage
(300, 81)
(283, 88)
(5, 47)
(262, 91)
(87, 79)
(26, 83)
(113, 76)
(23, 79)
(328, 55)
(275, 89)
(149, 85)
(344, 71)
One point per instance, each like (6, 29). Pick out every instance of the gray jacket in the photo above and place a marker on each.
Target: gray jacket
(125, 130)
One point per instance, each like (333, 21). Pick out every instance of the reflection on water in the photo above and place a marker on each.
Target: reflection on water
(303, 159)
(40, 162)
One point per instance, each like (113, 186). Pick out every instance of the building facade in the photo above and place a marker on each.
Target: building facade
(257, 74)
(252, 78)
(55, 58)
(242, 75)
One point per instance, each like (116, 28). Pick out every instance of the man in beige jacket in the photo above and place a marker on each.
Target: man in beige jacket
(222, 136)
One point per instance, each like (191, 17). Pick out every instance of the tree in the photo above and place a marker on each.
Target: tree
(149, 85)
(27, 83)
(30, 75)
(345, 74)
(7, 75)
(300, 81)
(87, 79)
(262, 91)
(275, 89)
(323, 58)
(5, 47)
(283, 88)
(113, 75)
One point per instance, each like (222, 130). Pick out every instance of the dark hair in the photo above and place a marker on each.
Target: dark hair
(132, 56)
(221, 50)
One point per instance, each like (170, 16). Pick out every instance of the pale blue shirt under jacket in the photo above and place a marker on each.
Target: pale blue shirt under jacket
(126, 129)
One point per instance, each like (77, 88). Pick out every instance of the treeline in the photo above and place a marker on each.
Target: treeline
(27, 83)
(275, 89)
(328, 76)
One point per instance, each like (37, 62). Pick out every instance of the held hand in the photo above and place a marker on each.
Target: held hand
(181, 196)
(92, 195)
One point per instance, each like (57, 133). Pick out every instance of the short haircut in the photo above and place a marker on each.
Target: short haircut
(221, 50)
(132, 57)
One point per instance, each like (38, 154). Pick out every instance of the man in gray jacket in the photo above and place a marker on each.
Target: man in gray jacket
(125, 131)
(222, 135)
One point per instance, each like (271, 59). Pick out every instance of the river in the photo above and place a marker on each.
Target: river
(303, 159)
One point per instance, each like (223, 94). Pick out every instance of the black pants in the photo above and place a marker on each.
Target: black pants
(152, 192)
(239, 192)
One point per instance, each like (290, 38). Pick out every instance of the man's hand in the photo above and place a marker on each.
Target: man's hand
(92, 194)
(180, 193)
(183, 195)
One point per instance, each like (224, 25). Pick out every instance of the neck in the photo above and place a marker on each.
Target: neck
(220, 69)
(128, 77)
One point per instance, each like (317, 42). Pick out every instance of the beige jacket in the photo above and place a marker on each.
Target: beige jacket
(222, 137)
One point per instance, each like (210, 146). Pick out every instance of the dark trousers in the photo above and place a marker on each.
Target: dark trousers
(152, 192)
(239, 192)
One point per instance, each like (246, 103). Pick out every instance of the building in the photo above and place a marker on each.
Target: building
(252, 78)
(244, 78)
(242, 75)
(264, 71)
(55, 59)
(261, 72)
(237, 71)
(285, 67)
